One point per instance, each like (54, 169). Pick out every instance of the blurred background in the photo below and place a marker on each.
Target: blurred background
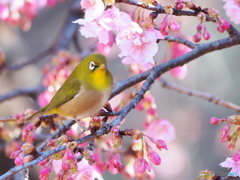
(197, 145)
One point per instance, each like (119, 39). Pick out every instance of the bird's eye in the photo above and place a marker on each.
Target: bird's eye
(92, 66)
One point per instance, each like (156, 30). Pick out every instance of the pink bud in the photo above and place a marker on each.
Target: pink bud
(154, 157)
(220, 28)
(120, 168)
(174, 26)
(225, 24)
(164, 23)
(105, 166)
(161, 144)
(19, 160)
(31, 138)
(206, 34)
(197, 37)
(45, 171)
(43, 162)
(231, 147)
(15, 154)
(65, 166)
(140, 106)
(69, 154)
(29, 127)
(236, 157)
(180, 6)
(117, 160)
(141, 165)
(115, 131)
(199, 27)
(165, 32)
(215, 120)
(225, 133)
(151, 111)
(51, 142)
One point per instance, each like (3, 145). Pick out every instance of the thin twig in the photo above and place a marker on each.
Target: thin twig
(22, 91)
(199, 94)
(40, 56)
(181, 41)
(160, 9)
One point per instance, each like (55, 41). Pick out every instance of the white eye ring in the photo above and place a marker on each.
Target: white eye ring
(92, 65)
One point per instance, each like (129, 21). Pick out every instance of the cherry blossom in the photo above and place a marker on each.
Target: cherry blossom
(22, 12)
(93, 9)
(140, 47)
(232, 8)
(161, 129)
(230, 163)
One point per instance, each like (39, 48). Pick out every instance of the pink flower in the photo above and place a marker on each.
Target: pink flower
(230, 163)
(141, 165)
(93, 9)
(105, 48)
(93, 29)
(161, 129)
(140, 47)
(232, 8)
(111, 19)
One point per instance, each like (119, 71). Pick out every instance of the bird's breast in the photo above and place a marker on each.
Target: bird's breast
(84, 104)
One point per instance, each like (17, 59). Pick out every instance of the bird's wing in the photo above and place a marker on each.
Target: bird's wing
(67, 92)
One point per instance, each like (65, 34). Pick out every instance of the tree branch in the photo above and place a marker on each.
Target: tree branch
(199, 94)
(160, 9)
(150, 77)
(40, 56)
(181, 41)
(22, 91)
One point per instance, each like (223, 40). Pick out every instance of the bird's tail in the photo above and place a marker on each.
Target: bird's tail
(36, 114)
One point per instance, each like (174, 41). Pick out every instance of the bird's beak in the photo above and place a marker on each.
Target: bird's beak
(103, 67)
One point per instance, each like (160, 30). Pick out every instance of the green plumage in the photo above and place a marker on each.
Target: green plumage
(79, 89)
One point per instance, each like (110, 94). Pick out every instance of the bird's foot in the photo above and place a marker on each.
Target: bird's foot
(81, 126)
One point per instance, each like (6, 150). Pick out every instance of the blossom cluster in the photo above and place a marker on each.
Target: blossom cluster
(138, 43)
(228, 135)
(22, 12)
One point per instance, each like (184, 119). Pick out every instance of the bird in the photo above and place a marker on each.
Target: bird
(84, 92)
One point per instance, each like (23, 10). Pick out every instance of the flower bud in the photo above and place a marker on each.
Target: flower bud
(27, 148)
(105, 165)
(141, 165)
(154, 157)
(174, 26)
(197, 37)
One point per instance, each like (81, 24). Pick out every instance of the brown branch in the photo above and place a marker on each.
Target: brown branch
(199, 94)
